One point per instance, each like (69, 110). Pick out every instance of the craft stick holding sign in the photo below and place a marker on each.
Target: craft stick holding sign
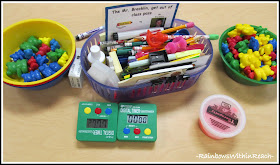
(139, 16)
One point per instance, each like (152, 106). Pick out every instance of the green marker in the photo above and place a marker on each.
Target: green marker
(135, 43)
(126, 52)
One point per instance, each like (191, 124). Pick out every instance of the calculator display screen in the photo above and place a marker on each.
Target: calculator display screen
(97, 123)
(137, 119)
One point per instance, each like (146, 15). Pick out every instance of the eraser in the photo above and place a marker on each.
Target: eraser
(190, 24)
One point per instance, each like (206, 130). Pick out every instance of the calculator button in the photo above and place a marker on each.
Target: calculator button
(108, 111)
(137, 131)
(126, 130)
(87, 110)
(147, 131)
(97, 110)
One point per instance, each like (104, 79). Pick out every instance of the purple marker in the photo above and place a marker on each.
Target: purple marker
(88, 33)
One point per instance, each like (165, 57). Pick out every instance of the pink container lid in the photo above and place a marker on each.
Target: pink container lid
(221, 117)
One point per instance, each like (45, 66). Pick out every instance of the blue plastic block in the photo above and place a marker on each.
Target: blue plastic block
(254, 44)
(46, 70)
(55, 66)
(32, 76)
(19, 55)
(225, 48)
(41, 59)
(54, 45)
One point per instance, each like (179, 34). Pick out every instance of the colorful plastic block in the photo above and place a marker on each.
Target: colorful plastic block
(54, 45)
(17, 68)
(261, 30)
(53, 56)
(273, 63)
(254, 44)
(41, 60)
(273, 43)
(263, 39)
(225, 48)
(242, 46)
(255, 53)
(249, 60)
(45, 40)
(28, 45)
(54, 66)
(32, 76)
(62, 60)
(60, 51)
(19, 55)
(269, 78)
(248, 37)
(28, 53)
(234, 33)
(248, 72)
(274, 69)
(229, 57)
(34, 41)
(46, 70)
(235, 65)
(263, 72)
(266, 49)
(43, 50)
(245, 29)
(32, 64)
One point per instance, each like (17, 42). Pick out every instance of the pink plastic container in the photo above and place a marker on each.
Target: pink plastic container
(221, 117)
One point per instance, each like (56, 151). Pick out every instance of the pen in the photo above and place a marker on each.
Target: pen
(88, 33)
(187, 25)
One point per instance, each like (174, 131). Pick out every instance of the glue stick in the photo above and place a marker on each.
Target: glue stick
(221, 117)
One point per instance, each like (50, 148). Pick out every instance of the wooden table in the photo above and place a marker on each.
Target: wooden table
(41, 125)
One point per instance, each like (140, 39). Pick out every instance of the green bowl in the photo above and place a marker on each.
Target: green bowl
(237, 76)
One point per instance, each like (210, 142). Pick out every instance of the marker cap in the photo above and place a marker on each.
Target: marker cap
(213, 36)
(189, 24)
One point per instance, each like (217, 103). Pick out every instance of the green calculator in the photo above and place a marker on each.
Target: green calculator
(97, 121)
(137, 122)
(107, 122)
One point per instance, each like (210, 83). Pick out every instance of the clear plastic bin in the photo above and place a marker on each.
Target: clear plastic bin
(148, 89)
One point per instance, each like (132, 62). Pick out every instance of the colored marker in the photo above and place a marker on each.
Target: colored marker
(124, 23)
(110, 43)
(171, 37)
(88, 33)
(131, 34)
(136, 43)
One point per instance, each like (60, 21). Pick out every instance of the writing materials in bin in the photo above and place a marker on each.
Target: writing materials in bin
(138, 16)
(108, 122)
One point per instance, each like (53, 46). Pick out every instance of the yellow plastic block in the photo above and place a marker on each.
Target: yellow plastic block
(63, 59)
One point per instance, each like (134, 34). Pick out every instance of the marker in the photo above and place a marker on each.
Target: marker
(110, 43)
(131, 34)
(187, 25)
(171, 37)
(88, 33)
(136, 43)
